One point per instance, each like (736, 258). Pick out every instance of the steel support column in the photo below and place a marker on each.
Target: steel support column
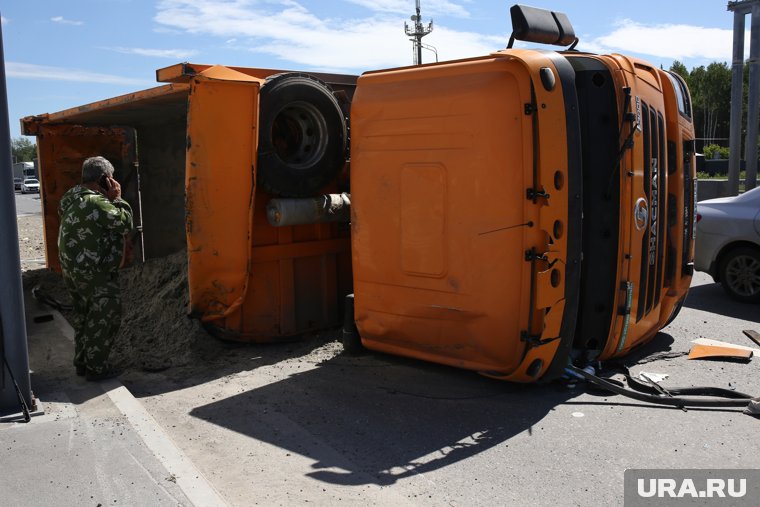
(737, 90)
(13, 325)
(753, 105)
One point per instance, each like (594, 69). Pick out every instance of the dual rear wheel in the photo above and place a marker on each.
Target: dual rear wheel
(303, 137)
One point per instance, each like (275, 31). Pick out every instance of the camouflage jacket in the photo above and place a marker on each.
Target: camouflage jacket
(90, 239)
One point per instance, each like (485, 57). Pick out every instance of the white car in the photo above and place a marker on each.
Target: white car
(30, 185)
(728, 243)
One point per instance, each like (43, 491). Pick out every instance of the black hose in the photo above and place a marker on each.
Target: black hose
(734, 400)
(21, 400)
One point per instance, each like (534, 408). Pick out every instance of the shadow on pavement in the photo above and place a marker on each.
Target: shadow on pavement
(377, 419)
(712, 298)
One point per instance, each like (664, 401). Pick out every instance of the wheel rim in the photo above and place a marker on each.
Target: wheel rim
(743, 275)
(299, 135)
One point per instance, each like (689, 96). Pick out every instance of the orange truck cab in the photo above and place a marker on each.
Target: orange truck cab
(519, 211)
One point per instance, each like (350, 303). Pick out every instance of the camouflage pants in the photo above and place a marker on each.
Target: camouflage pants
(97, 317)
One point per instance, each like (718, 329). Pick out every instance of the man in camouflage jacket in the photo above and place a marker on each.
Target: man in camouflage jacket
(94, 220)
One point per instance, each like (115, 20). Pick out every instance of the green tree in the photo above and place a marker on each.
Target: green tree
(680, 69)
(23, 150)
(710, 89)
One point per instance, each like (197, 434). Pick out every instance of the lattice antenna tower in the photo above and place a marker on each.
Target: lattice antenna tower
(417, 32)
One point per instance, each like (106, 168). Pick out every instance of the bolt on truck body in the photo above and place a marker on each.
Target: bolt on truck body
(514, 212)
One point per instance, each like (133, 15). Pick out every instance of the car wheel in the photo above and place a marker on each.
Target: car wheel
(740, 274)
(303, 135)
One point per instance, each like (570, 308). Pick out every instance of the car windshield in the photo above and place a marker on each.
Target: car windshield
(31, 181)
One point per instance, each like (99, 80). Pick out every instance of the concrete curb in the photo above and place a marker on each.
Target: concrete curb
(189, 479)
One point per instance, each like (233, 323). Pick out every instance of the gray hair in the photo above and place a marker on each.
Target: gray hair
(95, 167)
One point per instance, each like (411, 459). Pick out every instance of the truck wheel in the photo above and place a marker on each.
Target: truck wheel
(740, 274)
(302, 135)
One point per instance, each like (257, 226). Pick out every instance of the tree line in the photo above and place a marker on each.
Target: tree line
(710, 89)
(23, 150)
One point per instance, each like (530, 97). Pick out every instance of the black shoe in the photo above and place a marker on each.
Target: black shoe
(103, 375)
(81, 370)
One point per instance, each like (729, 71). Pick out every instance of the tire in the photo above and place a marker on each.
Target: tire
(739, 274)
(303, 136)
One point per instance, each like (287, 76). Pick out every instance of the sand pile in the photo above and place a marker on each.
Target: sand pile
(155, 331)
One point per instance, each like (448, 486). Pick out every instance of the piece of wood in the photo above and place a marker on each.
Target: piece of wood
(701, 351)
(752, 335)
(708, 341)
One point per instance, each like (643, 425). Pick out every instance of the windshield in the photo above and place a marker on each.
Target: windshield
(31, 181)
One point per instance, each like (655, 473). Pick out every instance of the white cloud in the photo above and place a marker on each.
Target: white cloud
(287, 30)
(406, 7)
(43, 72)
(666, 41)
(63, 21)
(158, 53)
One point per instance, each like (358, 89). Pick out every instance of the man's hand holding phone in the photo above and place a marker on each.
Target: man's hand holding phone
(111, 188)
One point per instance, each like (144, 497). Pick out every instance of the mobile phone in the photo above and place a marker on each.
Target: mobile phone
(103, 182)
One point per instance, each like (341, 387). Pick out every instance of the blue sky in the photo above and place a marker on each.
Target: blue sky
(61, 54)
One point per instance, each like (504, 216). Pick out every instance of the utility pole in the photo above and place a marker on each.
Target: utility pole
(741, 8)
(14, 356)
(417, 32)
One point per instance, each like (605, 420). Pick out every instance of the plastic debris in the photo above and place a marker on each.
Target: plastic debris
(753, 408)
(653, 377)
(701, 351)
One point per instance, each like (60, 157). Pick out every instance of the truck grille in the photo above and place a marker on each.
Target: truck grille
(655, 189)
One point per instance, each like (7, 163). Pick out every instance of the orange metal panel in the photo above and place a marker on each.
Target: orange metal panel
(220, 175)
(184, 72)
(297, 281)
(440, 221)
(655, 91)
(115, 110)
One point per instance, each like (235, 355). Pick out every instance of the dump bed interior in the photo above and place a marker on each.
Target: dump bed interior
(110, 128)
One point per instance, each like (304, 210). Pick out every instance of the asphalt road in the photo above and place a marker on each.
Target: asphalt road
(298, 423)
(301, 422)
(28, 204)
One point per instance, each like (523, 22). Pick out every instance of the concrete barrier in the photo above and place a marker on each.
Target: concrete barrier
(710, 189)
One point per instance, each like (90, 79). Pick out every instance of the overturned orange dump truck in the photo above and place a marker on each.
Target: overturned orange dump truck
(509, 214)
(198, 158)
(518, 211)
